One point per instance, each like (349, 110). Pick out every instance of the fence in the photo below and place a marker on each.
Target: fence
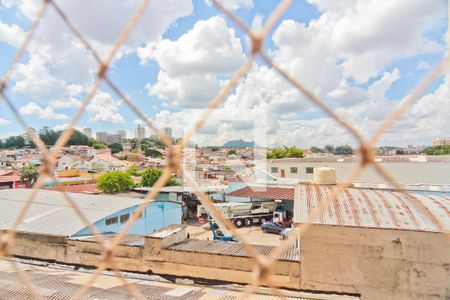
(262, 264)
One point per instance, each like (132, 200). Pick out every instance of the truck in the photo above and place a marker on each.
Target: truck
(243, 214)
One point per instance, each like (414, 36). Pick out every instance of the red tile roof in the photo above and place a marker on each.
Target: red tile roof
(263, 192)
(81, 189)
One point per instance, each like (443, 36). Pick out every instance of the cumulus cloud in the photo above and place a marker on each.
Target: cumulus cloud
(11, 34)
(4, 122)
(234, 4)
(191, 67)
(103, 108)
(58, 61)
(32, 109)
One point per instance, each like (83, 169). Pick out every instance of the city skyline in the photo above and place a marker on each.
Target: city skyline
(361, 76)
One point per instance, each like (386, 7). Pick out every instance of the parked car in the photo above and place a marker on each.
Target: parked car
(272, 227)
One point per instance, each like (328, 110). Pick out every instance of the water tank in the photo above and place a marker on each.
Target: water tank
(324, 175)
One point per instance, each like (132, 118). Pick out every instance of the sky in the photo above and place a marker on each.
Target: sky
(361, 57)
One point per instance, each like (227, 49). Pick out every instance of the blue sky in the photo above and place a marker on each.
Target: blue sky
(360, 57)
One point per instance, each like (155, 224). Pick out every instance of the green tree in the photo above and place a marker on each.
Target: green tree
(343, 150)
(285, 152)
(152, 153)
(114, 182)
(77, 138)
(438, 150)
(48, 136)
(15, 142)
(29, 173)
(99, 145)
(315, 149)
(329, 149)
(1, 144)
(115, 148)
(232, 152)
(133, 171)
(151, 175)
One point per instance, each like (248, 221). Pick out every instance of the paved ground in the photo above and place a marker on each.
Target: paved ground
(62, 282)
(253, 234)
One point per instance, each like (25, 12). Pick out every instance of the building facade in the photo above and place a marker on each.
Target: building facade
(139, 132)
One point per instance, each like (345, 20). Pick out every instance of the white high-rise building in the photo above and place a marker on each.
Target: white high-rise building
(87, 132)
(167, 132)
(139, 132)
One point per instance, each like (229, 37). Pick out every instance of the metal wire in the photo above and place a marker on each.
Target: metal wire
(263, 266)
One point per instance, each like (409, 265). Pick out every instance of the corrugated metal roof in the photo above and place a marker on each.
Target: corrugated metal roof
(356, 158)
(58, 282)
(374, 208)
(49, 213)
(264, 192)
(231, 249)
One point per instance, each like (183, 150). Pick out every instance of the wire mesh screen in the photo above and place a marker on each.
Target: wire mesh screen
(263, 265)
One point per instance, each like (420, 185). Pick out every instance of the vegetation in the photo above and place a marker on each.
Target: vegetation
(285, 152)
(29, 173)
(114, 182)
(151, 175)
(339, 150)
(152, 153)
(133, 171)
(438, 150)
(232, 152)
(99, 145)
(116, 148)
(146, 144)
(226, 168)
(50, 136)
(14, 142)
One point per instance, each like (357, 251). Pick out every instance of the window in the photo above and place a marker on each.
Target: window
(124, 218)
(111, 221)
(274, 170)
(309, 170)
(294, 170)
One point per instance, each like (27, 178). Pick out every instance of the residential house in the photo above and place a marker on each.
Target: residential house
(105, 162)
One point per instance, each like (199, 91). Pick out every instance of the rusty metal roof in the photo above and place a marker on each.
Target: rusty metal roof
(231, 249)
(264, 192)
(374, 208)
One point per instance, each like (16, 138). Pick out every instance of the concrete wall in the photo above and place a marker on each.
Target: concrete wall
(378, 264)
(404, 172)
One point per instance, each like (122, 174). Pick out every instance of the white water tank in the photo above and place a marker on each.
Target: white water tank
(324, 175)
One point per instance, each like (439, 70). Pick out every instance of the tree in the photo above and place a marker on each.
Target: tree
(232, 152)
(15, 142)
(438, 150)
(152, 153)
(99, 145)
(343, 150)
(29, 173)
(115, 148)
(77, 138)
(151, 175)
(48, 136)
(1, 144)
(133, 171)
(400, 152)
(286, 152)
(315, 149)
(114, 182)
(329, 149)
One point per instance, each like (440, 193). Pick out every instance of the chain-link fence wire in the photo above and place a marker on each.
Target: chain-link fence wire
(263, 265)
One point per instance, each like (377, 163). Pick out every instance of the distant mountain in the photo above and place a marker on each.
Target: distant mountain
(239, 144)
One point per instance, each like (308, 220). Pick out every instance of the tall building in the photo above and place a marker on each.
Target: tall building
(87, 132)
(122, 133)
(139, 132)
(101, 136)
(167, 132)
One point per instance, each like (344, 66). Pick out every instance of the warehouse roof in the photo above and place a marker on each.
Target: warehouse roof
(374, 208)
(264, 192)
(49, 213)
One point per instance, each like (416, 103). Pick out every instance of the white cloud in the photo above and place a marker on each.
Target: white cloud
(103, 108)
(32, 109)
(69, 103)
(423, 65)
(234, 4)
(192, 67)
(11, 34)
(58, 62)
(4, 122)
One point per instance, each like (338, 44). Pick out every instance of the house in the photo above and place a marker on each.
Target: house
(106, 162)
(69, 161)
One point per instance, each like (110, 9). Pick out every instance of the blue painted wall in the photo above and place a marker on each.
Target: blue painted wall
(157, 215)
